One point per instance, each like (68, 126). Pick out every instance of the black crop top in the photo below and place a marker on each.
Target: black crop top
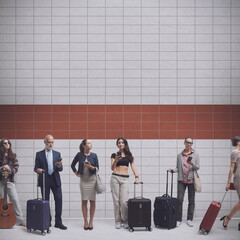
(123, 162)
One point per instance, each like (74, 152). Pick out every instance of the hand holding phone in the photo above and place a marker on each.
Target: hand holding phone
(59, 162)
(189, 159)
(119, 154)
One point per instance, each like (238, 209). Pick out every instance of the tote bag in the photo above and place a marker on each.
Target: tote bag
(197, 182)
(100, 187)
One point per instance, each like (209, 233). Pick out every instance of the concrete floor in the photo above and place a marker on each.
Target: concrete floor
(104, 229)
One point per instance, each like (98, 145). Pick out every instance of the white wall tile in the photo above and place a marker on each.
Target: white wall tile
(153, 52)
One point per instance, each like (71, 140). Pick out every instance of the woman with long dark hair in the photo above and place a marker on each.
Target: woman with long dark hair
(119, 181)
(9, 163)
(87, 165)
(234, 169)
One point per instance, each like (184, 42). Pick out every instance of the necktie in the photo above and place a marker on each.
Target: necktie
(50, 164)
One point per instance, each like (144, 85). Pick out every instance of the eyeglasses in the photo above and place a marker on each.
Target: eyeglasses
(5, 143)
(188, 142)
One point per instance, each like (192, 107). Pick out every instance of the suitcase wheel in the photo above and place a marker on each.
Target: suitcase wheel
(29, 229)
(48, 231)
(200, 230)
(131, 230)
(43, 233)
(206, 232)
(149, 229)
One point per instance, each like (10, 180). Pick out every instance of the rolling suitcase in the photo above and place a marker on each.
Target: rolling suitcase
(210, 216)
(38, 213)
(165, 209)
(139, 211)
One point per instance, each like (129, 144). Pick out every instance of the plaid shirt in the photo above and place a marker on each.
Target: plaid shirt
(13, 168)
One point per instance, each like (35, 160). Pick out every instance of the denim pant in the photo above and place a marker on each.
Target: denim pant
(13, 197)
(119, 189)
(191, 200)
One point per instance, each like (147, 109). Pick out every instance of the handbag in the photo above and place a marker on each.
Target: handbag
(197, 182)
(100, 187)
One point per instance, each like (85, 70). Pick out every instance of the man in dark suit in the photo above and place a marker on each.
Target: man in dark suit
(50, 162)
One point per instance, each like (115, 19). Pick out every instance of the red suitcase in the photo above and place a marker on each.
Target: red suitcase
(210, 216)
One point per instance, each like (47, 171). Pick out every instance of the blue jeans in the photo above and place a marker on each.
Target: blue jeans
(13, 197)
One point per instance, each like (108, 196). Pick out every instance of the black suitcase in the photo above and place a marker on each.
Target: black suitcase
(165, 209)
(139, 211)
(38, 213)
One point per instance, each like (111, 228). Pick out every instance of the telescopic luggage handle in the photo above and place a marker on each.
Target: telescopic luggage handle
(171, 185)
(43, 195)
(141, 189)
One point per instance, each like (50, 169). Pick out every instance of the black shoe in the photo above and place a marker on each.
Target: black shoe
(61, 226)
(85, 228)
(223, 219)
(90, 228)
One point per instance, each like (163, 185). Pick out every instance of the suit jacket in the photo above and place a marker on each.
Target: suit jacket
(41, 162)
(80, 158)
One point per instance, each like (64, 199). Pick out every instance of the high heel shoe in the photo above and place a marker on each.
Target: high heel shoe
(223, 219)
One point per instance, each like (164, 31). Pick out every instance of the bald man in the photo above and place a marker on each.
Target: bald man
(50, 161)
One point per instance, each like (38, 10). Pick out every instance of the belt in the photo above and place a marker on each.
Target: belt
(120, 175)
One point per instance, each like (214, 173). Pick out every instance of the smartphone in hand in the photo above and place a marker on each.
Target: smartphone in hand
(189, 159)
(119, 154)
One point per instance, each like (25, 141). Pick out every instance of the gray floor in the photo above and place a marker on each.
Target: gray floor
(104, 229)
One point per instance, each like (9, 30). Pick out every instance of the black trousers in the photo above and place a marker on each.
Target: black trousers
(57, 193)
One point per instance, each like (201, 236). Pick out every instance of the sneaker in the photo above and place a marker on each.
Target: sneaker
(178, 223)
(125, 226)
(189, 223)
(117, 225)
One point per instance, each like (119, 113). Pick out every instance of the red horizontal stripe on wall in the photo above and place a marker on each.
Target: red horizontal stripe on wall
(112, 121)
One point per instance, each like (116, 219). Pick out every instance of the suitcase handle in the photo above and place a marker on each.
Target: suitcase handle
(43, 195)
(141, 189)
(171, 185)
(223, 197)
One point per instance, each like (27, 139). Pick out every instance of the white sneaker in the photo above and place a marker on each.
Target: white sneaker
(125, 226)
(117, 225)
(178, 223)
(189, 223)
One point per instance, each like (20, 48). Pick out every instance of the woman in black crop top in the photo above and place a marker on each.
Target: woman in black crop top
(119, 181)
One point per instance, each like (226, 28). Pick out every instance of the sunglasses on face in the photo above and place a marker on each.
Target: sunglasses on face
(5, 143)
(188, 142)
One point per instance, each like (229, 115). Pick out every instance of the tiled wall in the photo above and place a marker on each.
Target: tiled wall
(112, 121)
(120, 52)
(152, 158)
(106, 55)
